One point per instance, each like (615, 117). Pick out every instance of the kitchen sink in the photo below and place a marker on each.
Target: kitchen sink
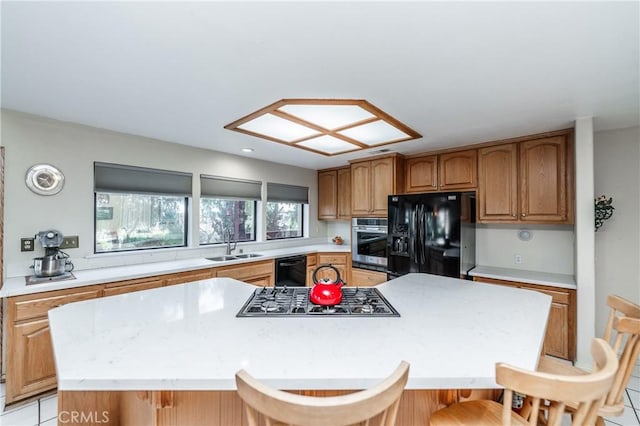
(222, 258)
(248, 255)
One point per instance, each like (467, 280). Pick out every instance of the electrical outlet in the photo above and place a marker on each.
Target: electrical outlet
(70, 242)
(26, 244)
(517, 258)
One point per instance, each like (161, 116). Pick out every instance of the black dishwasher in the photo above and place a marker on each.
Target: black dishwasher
(291, 271)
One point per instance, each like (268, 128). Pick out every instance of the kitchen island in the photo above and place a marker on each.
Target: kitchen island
(169, 355)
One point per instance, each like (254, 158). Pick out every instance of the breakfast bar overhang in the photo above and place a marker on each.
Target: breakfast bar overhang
(168, 356)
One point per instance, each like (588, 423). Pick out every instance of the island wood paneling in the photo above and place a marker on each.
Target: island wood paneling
(224, 408)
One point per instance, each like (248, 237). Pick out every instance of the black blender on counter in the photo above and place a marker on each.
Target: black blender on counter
(55, 264)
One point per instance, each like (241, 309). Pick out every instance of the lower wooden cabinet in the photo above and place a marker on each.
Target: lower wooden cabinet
(122, 287)
(312, 263)
(560, 340)
(366, 278)
(257, 273)
(341, 261)
(186, 277)
(30, 366)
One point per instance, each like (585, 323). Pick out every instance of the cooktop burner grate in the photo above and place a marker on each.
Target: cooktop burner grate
(294, 302)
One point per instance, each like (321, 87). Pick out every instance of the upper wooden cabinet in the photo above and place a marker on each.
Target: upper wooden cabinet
(327, 194)
(458, 170)
(498, 183)
(528, 181)
(449, 171)
(372, 182)
(546, 195)
(334, 194)
(421, 174)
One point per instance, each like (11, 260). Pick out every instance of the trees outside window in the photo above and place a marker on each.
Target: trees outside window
(217, 214)
(284, 220)
(139, 221)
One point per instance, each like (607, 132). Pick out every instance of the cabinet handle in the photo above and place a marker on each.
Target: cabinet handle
(514, 215)
(434, 185)
(523, 215)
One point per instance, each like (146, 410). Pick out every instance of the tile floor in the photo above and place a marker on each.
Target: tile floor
(43, 412)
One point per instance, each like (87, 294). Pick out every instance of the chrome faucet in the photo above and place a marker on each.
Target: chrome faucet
(226, 237)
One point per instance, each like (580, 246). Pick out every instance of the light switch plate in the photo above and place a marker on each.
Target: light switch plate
(70, 242)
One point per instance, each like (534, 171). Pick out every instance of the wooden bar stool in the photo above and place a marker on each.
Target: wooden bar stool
(623, 334)
(588, 391)
(374, 406)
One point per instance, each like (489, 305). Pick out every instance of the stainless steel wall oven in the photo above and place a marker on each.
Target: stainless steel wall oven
(369, 243)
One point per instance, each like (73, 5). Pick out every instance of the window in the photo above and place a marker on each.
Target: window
(228, 204)
(284, 220)
(138, 221)
(138, 208)
(285, 210)
(217, 215)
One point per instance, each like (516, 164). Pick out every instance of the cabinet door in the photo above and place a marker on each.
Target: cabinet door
(327, 194)
(557, 337)
(458, 170)
(382, 184)
(344, 193)
(543, 180)
(30, 366)
(498, 183)
(422, 174)
(360, 188)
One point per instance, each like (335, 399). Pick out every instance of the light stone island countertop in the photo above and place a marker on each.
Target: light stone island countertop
(16, 286)
(523, 276)
(187, 337)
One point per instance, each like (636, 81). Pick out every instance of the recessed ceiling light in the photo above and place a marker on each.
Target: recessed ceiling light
(324, 126)
(247, 149)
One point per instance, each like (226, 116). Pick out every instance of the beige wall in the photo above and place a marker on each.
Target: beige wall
(550, 249)
(617, 175)
(73, 148)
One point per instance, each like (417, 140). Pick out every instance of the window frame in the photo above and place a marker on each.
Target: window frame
(302, 221)
(255, 219)
(95, 224)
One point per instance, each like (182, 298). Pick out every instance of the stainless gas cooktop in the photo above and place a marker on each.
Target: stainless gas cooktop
(294, 302)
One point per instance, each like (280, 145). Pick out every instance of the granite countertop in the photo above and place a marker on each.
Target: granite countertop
(16, 286)
(524, 276)
(187, 337)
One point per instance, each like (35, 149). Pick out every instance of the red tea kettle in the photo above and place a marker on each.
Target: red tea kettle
(326, 292)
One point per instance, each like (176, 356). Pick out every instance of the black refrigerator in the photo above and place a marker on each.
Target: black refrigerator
(433, 233)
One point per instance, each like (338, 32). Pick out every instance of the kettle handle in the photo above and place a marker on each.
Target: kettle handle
(330, 266)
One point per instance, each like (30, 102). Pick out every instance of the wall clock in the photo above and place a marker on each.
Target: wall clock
(44, 179)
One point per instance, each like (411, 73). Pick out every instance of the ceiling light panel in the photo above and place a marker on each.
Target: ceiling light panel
(279, 128)
(328, 116)
(375, 133)
(325, 126)
(329, 145)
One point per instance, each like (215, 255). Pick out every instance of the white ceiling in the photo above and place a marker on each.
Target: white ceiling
(457, 72)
